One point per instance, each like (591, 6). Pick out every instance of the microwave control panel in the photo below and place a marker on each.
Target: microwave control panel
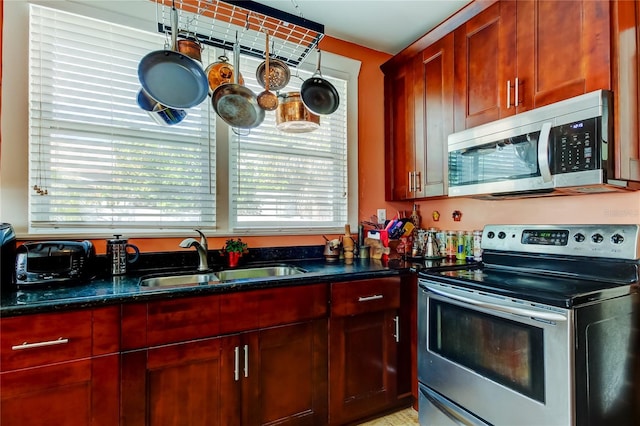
(576, 146)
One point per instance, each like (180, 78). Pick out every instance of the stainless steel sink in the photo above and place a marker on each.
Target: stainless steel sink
(180, 280)
(259, 272)
(221, 276)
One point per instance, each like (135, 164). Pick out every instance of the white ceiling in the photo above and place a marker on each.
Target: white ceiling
(384, 25)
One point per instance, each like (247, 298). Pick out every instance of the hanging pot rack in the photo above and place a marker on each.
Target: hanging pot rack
(217, 23)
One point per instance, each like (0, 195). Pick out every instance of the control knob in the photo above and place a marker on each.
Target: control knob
(502, 235)
(617, 239)
(491, 234)
(597, 238)
(579, 237)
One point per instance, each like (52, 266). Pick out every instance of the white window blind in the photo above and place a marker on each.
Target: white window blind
(102, 160)
(290, 180)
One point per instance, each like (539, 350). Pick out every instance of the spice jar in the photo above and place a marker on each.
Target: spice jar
(451, 246)
(461, 253)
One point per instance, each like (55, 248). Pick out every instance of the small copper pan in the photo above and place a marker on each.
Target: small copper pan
(293, 117)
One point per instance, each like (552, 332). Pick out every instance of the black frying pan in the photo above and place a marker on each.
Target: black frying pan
(318, 95)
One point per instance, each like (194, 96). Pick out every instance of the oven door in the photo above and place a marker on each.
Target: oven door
(507, 361)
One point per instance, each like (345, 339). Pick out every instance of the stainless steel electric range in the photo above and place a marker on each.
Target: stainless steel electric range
(544, 332)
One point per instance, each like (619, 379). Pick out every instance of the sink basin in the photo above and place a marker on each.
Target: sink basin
(259, 272)
(221, 276)
(180, 280)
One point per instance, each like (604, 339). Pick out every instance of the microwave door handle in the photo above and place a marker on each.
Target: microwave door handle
(543, 152)
(522, 312)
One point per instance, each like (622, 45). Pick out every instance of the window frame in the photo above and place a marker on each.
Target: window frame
(139, 14)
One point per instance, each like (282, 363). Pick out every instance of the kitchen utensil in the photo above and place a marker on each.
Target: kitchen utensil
(236, 104)
(332, 250)
(267, 100)
(221, 72)
(118, 256)
(172, 78)
(278, 75)
(190, 46)
(161, 114)
(293, 117)
(318, 94)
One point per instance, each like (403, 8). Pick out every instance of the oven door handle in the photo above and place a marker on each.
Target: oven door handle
(522, 312)
(454, 415)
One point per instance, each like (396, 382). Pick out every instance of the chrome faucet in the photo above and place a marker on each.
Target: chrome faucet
(201, 247)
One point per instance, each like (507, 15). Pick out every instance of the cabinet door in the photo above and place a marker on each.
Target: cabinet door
(290, 385)
(362, 365)
(176, 384)
(485, 66)
(399, 138)
(627, 90)
(82, 392)
(434, 116)
(564, 50)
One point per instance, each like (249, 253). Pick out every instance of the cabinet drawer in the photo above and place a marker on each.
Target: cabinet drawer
(169, 321)
(356, 297)
(292, 304)
(32, 340)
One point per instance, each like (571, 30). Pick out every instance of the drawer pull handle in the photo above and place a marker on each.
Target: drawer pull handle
(26, 345)
(368, 298)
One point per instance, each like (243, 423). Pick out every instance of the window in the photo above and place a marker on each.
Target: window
(290, 180)
(101, 159)
(107, 167)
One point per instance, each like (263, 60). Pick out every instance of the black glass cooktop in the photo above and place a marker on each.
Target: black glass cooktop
(556, 289)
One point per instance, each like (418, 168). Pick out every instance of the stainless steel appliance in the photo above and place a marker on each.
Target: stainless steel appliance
(7, 255)
(53, 262)
(562, 148)
(543, 332)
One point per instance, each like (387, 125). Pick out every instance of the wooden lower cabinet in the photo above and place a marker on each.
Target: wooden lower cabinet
(82, 392)
(270, 376)
(364, 340)
(363, 359)
(60, 369)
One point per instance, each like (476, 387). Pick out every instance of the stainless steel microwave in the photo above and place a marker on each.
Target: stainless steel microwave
(559, 149)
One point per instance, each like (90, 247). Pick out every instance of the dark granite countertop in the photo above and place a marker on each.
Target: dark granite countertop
(126, 289)
(110, 290)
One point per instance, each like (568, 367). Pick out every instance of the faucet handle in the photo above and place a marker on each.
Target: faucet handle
(203, 239)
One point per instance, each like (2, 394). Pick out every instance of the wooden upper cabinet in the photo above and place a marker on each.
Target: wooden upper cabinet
(434, 116)
(419, 108)
(400, 134)
(516, 56)
(563, 49)
(484, 66)
(627, 89)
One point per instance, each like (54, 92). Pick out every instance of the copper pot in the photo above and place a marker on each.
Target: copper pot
(190, 47)
(293, 117)
(221, 72)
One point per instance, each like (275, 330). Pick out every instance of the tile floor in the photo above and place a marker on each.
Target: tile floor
(406, 417)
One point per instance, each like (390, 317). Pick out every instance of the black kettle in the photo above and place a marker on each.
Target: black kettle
(7, 255)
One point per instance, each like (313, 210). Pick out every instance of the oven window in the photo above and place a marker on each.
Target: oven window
(505, 351)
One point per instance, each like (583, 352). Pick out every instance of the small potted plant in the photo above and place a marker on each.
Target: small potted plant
(233, 250)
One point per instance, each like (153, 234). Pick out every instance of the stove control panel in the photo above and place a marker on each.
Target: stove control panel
(601, 241)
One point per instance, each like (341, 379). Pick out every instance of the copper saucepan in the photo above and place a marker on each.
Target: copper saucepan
(293, 117)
